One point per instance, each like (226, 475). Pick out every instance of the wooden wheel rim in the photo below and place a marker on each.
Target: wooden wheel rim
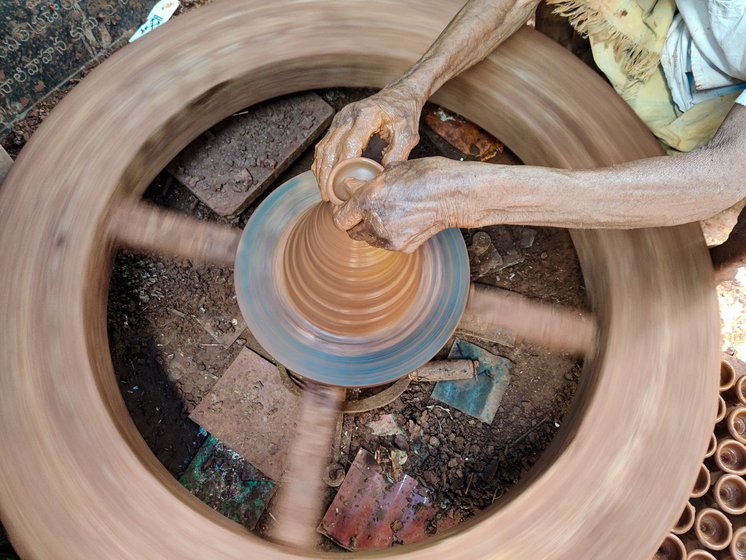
(78, 481)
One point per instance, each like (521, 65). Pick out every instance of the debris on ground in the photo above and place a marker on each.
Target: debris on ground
(372, 512)
(479, 397)
(160, 14)
(527, 238)
(483, 256)
(232, 164)
(732, 300)
(229, 484)
(253, 411)
(385, 426)
(224, 325)
(491, 251)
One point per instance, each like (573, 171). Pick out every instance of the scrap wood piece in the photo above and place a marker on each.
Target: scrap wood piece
(478, 397)
(444, 370)
(228, 483)
(371, 512)
(254, 411)
(463, 135)
(230, 165)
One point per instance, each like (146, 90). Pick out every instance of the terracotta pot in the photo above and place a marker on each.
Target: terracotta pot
(713, 529)
(729, 492)
(737, 394)
(702, 484)
(712, 446)
(738, 543)
(686, 520)
(727, 376)
(699, 554)
(722, 410)
(730, 456)
(671, 549)
(735, 423)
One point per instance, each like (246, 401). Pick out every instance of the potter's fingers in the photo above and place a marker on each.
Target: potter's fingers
(316, 169)
(328, 161)
(348, 215)
(352, 145)
(361, 232)
(414, 242)
(400, 144)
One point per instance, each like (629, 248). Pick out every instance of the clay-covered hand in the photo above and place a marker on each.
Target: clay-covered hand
(393, 114)
(407, 204)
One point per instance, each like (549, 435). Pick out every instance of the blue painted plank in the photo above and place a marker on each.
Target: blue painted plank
(478, 397)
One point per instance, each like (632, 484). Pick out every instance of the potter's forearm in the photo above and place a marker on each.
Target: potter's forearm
(478, 28)
(659, 191)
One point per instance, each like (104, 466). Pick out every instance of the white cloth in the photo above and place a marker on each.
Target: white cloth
(742, 99)
(705, 51)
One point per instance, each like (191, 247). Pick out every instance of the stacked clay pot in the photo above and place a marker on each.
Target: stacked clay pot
(713, 523)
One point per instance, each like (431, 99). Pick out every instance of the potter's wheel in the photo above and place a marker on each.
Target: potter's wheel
(325, 355)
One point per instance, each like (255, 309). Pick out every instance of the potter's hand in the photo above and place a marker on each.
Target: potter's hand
(406, 204)
(392, 113)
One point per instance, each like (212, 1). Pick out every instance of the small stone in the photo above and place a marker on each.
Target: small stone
(400, 442)
(267, 163)
(431, 478)
(307, 122)
(544, 256)
(434, 442)
(528, 236)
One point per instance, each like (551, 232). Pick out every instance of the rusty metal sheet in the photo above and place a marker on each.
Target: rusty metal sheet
(231, 164)
(253, 411)
(372, 512)
(227, 483)
(463, 135)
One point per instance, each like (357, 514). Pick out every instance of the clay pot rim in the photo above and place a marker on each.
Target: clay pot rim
(721, 517)
(736, 411)
(697, 493)
(329, 186)
(716, 492)
(676, 542)
(685, 528)
(731, 379)
(729, 442)
(722, 409)
(712, 446)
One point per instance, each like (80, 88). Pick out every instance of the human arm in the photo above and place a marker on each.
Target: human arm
(412, 201)
(393, 113)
